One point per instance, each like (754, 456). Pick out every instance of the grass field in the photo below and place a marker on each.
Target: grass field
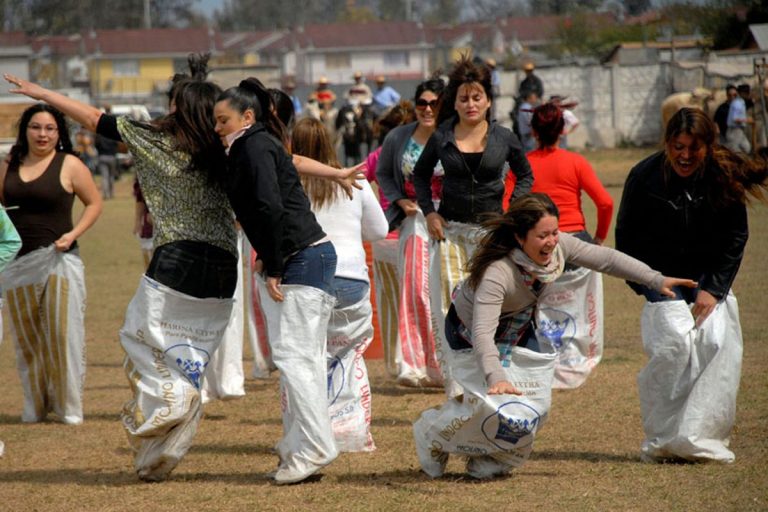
(586, 457)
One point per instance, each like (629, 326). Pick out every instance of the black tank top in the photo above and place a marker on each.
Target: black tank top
(44, 210)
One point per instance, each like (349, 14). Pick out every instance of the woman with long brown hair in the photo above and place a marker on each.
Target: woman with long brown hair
(684, 212)
(495, 350)
(348, 224)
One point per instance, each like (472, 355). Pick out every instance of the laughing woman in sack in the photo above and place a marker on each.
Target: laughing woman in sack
(490, 330)
(187, 288)
(690, 199)
(45, 285)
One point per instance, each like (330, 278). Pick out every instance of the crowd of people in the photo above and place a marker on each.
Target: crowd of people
(476, 233)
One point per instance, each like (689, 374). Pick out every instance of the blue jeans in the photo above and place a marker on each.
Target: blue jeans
(313, 266)
(198, 269)
(349, 291)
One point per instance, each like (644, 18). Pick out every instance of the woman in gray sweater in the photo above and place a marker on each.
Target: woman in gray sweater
(493, 309)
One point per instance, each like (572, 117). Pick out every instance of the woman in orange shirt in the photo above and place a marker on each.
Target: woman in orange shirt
(571, 318)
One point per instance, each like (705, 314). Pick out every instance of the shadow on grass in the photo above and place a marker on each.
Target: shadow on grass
(583, 456)
(388, 421)
(269, 421)
(392, 390)
(234, 449)
(412, 477)
(87, 477)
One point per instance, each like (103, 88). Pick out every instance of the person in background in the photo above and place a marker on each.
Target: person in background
(570, 121)
(348, 224)
(524, 116)
(531, 82)
(736, 138)
(683, 211)
(107, 161)
(495, 84)
(359, 92)
(416, 358)
(721, 114)
(289, 87)
(385, 96)
(38, 184)
(85, 148)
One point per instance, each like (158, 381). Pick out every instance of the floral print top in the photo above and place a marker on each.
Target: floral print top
(183, 204)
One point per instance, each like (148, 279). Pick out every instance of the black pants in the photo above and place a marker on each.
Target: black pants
(198, 269)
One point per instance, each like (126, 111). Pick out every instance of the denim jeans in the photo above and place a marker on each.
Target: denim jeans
(198, 269)
(349, 291)
(584, 236)
(313, 266)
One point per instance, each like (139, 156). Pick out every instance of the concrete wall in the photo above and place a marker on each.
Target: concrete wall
(617, 104)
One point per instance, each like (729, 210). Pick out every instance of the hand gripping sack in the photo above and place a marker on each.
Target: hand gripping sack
(498, 428)
(224, 377)
(297, 333)
(688, 387)
(168, 338)
(386, 286)
(569, 317)
(350, 331)
(448, 260)
(45, 298)
(415, 350)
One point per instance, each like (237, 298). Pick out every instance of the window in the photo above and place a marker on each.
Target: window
(337, 61)
(125, 68)
(396, 59)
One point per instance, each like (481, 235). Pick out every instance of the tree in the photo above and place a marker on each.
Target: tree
(635, 7)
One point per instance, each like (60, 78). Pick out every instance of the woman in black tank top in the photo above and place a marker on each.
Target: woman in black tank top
(44, 291)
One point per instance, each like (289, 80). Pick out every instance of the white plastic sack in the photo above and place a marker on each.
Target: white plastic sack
(569, 317)
(254, 318)
(448, 260)
(386, 285)
(688, 388)
(45, 296)
(415, 350)
(496, 432)
(224, 377)
(297, 334)
(350, 332)
(168, 338)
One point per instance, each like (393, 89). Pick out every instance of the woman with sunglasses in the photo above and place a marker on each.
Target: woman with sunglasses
(415, 360)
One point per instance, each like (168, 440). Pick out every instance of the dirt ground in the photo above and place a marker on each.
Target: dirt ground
(586, 457)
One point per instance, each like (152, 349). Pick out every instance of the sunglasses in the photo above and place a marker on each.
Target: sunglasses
(422, 104)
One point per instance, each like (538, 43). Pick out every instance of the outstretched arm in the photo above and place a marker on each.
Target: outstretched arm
(84, 114)
(346, 177)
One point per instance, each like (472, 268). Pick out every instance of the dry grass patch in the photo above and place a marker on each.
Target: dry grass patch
(586, 457)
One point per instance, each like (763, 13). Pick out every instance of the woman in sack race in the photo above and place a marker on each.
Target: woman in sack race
(350, 331)
(690, 199)
(39, 183)
(299, 264)
(401, 149)
(564, 175)
(192, 274)
(491, 321)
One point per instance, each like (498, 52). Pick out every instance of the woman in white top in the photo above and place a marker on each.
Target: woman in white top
(347, 223)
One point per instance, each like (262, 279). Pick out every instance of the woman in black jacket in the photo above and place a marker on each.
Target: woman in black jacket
(683, 210)
(270, 204)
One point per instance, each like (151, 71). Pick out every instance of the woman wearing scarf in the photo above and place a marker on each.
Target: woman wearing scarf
(496, 355)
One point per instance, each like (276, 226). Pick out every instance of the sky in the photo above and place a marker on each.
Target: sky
(208, 6)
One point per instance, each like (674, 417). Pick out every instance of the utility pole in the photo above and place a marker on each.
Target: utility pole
(147, 19)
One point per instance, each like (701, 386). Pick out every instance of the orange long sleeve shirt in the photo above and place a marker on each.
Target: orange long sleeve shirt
(562, 175)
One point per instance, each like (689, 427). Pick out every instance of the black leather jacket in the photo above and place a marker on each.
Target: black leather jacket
(467, 195)
(669, 223)
(268, 199)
